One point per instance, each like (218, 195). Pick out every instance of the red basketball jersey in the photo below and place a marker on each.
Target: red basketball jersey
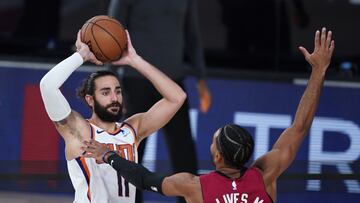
(249, 188)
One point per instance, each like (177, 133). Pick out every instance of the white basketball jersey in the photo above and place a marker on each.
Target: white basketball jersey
(100, 183)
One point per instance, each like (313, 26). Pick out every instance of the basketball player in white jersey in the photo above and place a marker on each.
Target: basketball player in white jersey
(102, 93)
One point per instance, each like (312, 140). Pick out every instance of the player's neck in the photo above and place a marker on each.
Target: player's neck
(107, 126)
(229, 172)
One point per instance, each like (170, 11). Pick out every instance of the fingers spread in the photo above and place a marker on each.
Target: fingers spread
(128, 37)
(328, 39)
(332, 46)
(323, 37)
(88, 146)
(304, 51)
(79, 34)
(88, 155)
(317, 40)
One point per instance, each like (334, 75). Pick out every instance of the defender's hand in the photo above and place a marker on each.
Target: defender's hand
(320, 58)
(95, 150)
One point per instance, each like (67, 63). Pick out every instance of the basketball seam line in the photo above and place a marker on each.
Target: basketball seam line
(94, 23)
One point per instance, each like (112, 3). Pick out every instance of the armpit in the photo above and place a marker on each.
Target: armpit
(61, 123)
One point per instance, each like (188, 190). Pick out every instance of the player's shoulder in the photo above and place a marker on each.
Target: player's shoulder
(127, 126)
(133, 120)
(181, 184)
(74, 125)
(184, 178)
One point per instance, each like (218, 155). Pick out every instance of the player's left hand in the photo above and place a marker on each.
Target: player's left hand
(95, 150)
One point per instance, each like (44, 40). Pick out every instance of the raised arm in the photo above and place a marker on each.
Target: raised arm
(161, 112)
(286, 147)
(68, 123)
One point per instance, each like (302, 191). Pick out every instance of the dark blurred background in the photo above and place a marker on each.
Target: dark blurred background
(237, 34)
(244, 41)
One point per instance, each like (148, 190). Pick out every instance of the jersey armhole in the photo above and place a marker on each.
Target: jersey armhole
(202, 191)
(259, 174)
(131, 127)
(133, 132)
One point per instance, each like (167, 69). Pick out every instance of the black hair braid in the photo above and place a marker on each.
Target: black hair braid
(247, 146)
(236, 145)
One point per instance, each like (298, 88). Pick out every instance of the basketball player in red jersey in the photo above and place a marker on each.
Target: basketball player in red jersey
(232, 147)
(102, 93)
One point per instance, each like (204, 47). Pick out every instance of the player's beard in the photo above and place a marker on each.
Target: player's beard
(106, 115)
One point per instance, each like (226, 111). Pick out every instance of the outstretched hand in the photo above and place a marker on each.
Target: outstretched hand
(84, 51)
(320, 58)
(96, 150)
(128, 55)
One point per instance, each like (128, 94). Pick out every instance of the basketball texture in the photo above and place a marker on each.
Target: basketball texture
(105, 36)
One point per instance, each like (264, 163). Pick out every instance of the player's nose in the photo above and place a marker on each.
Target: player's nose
(113, 97)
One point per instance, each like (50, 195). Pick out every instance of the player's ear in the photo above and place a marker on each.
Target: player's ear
(218, 157)
(89, 100)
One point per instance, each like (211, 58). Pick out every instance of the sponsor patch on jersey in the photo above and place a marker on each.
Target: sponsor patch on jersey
(125, 132)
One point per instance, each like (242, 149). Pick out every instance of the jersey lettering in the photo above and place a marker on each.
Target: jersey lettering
(125, 151)
(249, 188)
(257, 200)
(244, 197)
(234, 198)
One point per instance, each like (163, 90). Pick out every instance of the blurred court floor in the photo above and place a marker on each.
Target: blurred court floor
(22, 197)
(19, 197)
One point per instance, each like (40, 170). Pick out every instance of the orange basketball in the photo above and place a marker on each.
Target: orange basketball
(105, 36)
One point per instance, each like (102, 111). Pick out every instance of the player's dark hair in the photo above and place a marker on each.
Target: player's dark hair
(87, 86)
(235, 144)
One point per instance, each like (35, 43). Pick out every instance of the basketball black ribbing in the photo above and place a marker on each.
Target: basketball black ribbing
(235, 144)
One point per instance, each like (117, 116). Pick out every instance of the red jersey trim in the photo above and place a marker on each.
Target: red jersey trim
(262, 179)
